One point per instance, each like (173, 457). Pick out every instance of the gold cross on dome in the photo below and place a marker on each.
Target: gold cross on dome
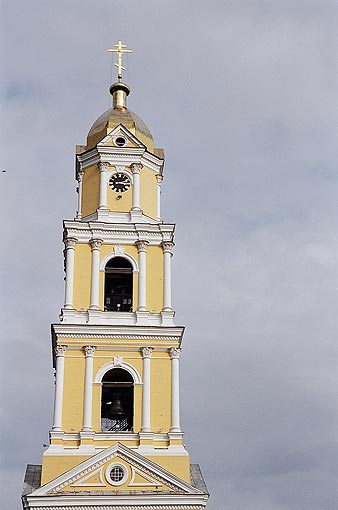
(119, 48)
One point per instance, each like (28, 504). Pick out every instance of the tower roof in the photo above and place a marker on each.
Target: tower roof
(119, 114)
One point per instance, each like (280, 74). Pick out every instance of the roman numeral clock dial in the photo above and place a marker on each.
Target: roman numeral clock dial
(119, 182)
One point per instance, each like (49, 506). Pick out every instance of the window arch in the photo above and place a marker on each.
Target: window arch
(118, 285)
(117, 401)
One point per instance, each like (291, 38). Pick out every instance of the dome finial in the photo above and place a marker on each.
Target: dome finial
(120, 48)
(119, 90)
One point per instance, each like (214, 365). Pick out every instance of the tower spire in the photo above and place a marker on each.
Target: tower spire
(119, 90)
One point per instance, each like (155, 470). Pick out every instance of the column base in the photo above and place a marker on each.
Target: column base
(136, 215)
(142, 317)
(57, 429)
(167, 317)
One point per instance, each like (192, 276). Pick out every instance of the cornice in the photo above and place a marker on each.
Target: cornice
(117, 156)
(115, 233)
(96, 503)
(171, 333)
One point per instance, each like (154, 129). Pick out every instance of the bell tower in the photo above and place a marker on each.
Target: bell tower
(116, 441)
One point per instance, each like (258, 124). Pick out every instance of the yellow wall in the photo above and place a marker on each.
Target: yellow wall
(90, 190)
(154, 278)
(82, 276)
(148, 192)
(160, 392)
(72, 416)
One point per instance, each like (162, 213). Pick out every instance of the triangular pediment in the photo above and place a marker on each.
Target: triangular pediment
(121, 132)
(116, 468)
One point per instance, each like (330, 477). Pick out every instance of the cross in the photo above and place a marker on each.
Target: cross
(119, 49)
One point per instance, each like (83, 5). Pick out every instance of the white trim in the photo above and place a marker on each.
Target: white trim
(114, 133)
(109, 366)
(81, 483)
(134, 472)
(112, 255)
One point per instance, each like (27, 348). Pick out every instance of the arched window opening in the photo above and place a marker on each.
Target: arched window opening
(117, 402)
(118, 285)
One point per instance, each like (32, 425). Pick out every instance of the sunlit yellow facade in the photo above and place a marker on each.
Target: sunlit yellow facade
(116, 438)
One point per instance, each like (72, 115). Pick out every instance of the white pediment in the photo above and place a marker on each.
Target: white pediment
(123, 132)
(93, 474)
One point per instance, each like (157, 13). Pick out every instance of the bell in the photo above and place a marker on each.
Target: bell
(117, 411)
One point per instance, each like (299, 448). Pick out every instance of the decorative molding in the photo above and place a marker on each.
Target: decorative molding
(79, 176)
(109, 366)
(119, 337)
(89, 351)
(159, 179)
(167, 246)
(118, 361)
(175, 352)
(151, 481)
(98, 506)
(119, 250)
(81, 483)
(136, 168)
(142, 246)
(103, 166)
(60, 350)
(146, 352)
(70, 243)
(96, 244)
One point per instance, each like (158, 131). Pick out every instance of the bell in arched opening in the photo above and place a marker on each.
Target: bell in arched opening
(117, 402)
(118, 285)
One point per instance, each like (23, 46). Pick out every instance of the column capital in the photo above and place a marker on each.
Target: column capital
(95, 244)
(159, 179)
(70, 242)
(142, 246)
(167, 246)
(147, 352)
(89, 350)
(103, 166)
(175, 352)
(136, 168)
(60, 350)
(79, 175)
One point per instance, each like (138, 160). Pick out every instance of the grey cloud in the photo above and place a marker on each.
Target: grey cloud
(243, 97)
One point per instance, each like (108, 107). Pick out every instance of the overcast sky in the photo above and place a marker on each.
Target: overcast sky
(242, 96)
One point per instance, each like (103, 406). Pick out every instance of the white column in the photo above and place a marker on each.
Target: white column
(142, 275)
(70, 243)
(88, 388)
(94, 290)
(79, 194)
(146, 355)
(167, 247)
(159, 179)
(59, 380)
(103, 167)
(175, 389)
(136, 169)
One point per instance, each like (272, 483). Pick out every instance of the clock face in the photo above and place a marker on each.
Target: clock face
(119, 182)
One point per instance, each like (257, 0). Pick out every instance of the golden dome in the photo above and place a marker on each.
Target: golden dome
(119, 114)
